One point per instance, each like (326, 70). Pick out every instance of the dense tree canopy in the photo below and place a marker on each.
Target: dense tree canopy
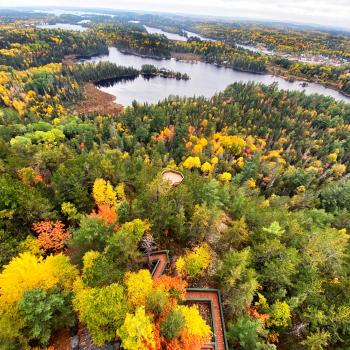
(262, 212)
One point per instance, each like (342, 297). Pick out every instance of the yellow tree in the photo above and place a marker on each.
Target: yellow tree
(137, 332)
(192, 162)
(225, 177)
(139, 285)
(195, 332)
(194, 263)
(104, 193)
(28, 271)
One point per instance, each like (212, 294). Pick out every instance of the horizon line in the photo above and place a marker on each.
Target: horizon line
(313, 25)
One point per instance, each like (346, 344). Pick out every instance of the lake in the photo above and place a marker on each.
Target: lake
(205, 80)
(170, 36)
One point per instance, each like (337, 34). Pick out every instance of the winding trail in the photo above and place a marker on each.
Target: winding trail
(210, 296)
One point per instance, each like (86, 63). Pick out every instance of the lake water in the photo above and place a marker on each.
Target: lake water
(313, 59)
(170, 36)
(195, 35)
(205, 79)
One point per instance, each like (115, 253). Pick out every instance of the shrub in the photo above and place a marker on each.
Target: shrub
(175, 286)
(157, 301)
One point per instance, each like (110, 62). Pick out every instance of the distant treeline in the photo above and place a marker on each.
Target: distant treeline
(25, 47)
(135, 40)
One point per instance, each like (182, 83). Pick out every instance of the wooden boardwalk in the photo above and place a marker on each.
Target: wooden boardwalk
(210, 296)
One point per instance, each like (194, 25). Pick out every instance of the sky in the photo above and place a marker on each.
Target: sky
(325, 12)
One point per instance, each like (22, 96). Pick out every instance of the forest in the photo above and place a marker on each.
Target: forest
(262, 213)
(22, 48)
(279, 39)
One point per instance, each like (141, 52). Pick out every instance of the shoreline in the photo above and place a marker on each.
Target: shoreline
(154, 57)
(294, 78)
(96, 101)
(192, 58)
(271, 70)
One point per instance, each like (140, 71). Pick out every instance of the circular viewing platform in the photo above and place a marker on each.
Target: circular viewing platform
(173, 176)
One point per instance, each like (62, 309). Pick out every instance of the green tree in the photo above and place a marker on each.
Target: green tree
(21, 205)
(44, 312)
(92, 234)
(317, 341)
(275, 262)
(237, 279)
(123, 244)
(245, 332)
(172, 324)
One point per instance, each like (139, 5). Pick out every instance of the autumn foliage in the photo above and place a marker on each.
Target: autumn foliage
(173, 326)
(170, 283)
(27, 271)
(262, 212)
(104, 193)
(51, 235)
(106, 199)
(106, 213)
(194, 263)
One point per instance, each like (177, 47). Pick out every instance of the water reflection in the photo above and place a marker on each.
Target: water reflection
(205, 80)
(105, 83)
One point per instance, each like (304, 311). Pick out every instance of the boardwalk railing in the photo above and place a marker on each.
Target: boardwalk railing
(206, 295)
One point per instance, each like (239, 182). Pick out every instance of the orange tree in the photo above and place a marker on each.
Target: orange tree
(51, 235)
